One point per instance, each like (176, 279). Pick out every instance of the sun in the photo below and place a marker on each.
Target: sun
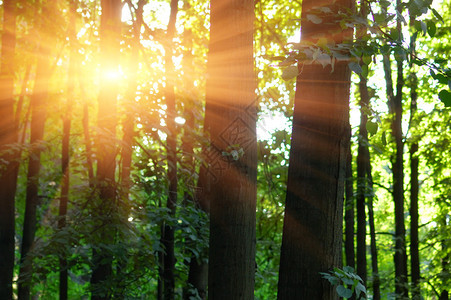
(113, 74)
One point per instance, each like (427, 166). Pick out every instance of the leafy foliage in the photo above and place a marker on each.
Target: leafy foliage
(347, 282)
(279, 56)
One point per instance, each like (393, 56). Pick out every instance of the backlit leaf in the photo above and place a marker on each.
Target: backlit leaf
(290, 72)
(314, 19)
(431, 28)
(437, 15)
(372, 127)
(445, 97)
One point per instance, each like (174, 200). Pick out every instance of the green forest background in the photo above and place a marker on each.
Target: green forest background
(57, 69)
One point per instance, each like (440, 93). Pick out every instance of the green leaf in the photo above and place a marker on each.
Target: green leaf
(365, 71)
(366, 59)
(348, 269)
(322, 43)
(290, 72)
(379, 18)
(385, 3)
(348, 281)
(437, 15)
(360, 288)
(431, 28)
(394, 34)
(355, 67)
(432, 73)
(314, 19)
(445, 97)
(441, 78)
(418, 62)
(384, 139)
(344, 292)
(372, 127)
(385, 49)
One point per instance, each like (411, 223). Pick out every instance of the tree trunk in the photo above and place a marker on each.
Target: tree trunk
(400, 257)
(362, 182)
(105, 210)
(129, 121)
(167, 237)
(8, 136)
(349, 212)
(373, 245)
(414, 185)
(398, 180)
(312, 231)
(232, 160)
(67, 118)
(38, 117)
(395, 108)
(414, 217)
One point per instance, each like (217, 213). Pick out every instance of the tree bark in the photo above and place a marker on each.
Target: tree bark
(167, 236)
(398, 179)
(8, 156)
(38, 117)
(414, 217)
(129, 121)
(65, 155)
(105, 210)
(232, 159)
(414, 184)
(312, 230)
(349, 211)
(362, 183)
(373, 245)
(395, 108)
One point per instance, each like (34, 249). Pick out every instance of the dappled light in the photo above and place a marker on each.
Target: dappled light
(225, 149)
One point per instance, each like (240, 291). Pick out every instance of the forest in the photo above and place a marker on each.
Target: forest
(225, 149)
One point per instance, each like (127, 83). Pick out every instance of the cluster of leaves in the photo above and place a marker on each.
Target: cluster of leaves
(374, 36)
(346, 282)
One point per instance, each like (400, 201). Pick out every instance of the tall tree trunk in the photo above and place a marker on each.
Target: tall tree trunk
(373, 245)
(67, 118)
(167, 236)
(8, 136)
(395, 105)
(414, 185)
(414, 217)
(312, 231)
(129, 121)
(232, 162)
(398, 178)
(362, 183)
(349, 211)
(38, 116)
(105, 210)
(395, 108)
